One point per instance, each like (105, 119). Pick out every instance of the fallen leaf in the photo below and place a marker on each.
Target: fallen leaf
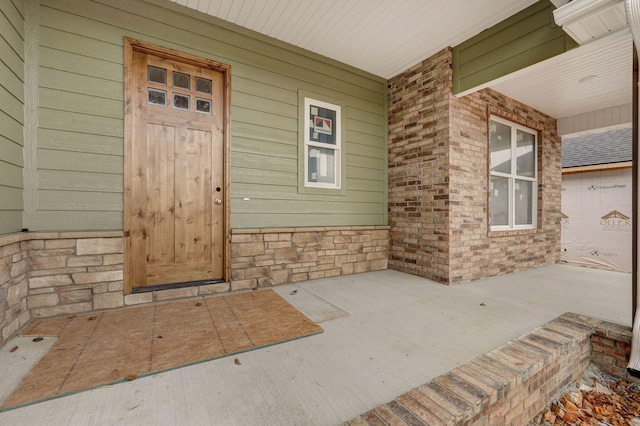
(603, 389)
(237, 361)
(38, 339)
(482, 304)
(92, 318)
(549, 417)
(576, 398)
(199, 304)
(13, 349)
(568, 405)
(557, 410)
(571, 417)
(585, 388)
(293, 293)
(131, 377)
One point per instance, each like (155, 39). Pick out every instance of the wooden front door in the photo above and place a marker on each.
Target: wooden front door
(175, 168)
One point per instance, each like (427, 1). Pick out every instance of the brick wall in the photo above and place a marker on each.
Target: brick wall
(438, 180)
(273, 256)
(611, 348)
(419, 169)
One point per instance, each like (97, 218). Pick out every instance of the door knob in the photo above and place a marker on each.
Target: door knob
(218, 201)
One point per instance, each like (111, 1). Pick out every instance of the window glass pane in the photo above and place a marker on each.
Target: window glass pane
(203, 85)
(321, 165)
(181, 80)
(157, 97)
(523, 202)
(203, 105)
(322, 123)
(525, 154)
(499, 201)
(180, 101)
(156, 75)
(500, 147)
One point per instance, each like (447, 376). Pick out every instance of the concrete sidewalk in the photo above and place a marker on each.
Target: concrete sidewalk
(384, 333)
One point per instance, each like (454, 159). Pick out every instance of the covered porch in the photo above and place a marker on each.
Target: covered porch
(385, 332)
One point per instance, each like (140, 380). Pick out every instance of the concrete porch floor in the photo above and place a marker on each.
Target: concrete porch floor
(384, 333)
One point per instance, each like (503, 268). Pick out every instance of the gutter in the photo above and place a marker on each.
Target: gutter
(632, 8)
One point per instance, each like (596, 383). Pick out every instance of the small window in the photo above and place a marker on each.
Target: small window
(513, 185)
(322, 141)
(157, 97)
(156, 75)
(180, 101)
(203, 85)
(181, 80)
(203, 105)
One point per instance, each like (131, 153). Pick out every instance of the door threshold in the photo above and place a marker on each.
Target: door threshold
(159, 287)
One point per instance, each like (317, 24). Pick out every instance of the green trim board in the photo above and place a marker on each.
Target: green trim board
(79, 106)
(526, 38)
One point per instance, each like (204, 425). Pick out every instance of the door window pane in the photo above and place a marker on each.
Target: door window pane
(525, 154)
(180, 101)
(156, 75)
(321, 165)
(181, 80)
(523, 202)
(499, 201)
(500, 147)
(157, 97)
(203, 85)
(203, 105)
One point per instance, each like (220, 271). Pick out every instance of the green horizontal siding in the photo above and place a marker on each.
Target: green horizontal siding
(298, 220)
(11, 175)
(80, 201)
(80, 181)
(80, 135)
(11, 200)
(84, 220)
(11, 114)
(524, 39)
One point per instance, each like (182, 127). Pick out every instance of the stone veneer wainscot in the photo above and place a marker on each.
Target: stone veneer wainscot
(47, 274)
(272, 256)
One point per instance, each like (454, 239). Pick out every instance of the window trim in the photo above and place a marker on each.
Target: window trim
(513, 176)
(305, 99)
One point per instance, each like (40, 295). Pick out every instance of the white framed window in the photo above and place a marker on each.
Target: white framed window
(322, 144)
(513, 182)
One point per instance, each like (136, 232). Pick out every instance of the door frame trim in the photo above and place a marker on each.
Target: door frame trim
(130, 46)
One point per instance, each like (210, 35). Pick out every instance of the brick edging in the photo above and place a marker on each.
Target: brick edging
(509, 385)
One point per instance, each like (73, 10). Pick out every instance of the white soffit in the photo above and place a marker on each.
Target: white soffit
(587, 20)
(591, 77)
(383, 37)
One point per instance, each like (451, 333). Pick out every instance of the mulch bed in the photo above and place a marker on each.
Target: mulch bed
(598, 399)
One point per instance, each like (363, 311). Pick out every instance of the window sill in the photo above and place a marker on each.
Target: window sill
(514, 233)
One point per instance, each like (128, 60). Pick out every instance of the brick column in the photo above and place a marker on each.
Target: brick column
(439, 180)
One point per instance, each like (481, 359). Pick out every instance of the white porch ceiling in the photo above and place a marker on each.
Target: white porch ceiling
(386, 37)
(594, 76)
(383, 37)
